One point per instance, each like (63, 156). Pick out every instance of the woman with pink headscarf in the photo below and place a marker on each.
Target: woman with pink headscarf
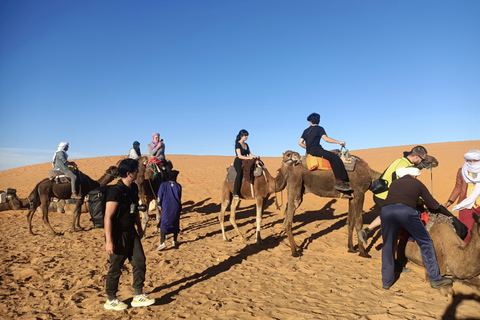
(156, 148)
(467, 190)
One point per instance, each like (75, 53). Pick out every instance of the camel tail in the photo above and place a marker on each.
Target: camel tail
(34, 197)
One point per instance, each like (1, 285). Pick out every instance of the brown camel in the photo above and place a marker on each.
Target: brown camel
(263, 187)
(47, 189)
(321, 184)
(15, 203)
(455, 258)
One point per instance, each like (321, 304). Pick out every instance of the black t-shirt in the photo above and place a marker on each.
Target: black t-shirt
(125, 196)
(312, 136)
(243, 152)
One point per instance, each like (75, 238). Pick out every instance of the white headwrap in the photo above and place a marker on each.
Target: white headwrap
(468, 202)
(61, 147)
(401, 172)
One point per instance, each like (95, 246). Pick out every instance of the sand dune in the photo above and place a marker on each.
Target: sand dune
(63, 277)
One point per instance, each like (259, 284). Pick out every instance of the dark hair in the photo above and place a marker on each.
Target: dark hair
(241, 134)
(127, 166)
(419, 151)
(314, 118)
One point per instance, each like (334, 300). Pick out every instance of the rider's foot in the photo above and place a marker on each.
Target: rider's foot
(342, 186)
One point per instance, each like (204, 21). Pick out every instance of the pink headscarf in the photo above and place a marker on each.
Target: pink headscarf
(154, 143)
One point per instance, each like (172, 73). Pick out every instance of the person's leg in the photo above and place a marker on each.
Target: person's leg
(162, 237)
(389, 231)
(415, 227)
(363, 234)
(137, 260)
(113, 275)
(237, 164)
(73, 180)
(337, 165)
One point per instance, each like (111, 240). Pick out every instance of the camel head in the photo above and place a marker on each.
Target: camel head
(291, 157)
(429, 162)
(112, 171)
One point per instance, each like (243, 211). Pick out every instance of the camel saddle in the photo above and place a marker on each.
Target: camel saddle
(58, 176)
(318, 163)
(257, 167)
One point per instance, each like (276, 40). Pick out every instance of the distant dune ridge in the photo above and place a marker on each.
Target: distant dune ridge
(47, 277)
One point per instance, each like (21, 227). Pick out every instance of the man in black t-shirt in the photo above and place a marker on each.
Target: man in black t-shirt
(122, 240)
(310, 140)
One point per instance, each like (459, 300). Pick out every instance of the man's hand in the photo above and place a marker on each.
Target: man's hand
(109, 247)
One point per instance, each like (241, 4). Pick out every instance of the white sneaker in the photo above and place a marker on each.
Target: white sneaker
(142, 300)
(175, 243)
(161, 246)
(115, 304)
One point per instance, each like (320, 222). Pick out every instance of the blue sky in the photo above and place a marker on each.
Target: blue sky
(102, 74)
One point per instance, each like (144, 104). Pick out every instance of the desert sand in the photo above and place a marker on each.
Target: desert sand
(63, 277)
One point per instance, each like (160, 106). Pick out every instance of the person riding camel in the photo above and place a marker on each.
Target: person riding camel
(310, 140)
(60, 163)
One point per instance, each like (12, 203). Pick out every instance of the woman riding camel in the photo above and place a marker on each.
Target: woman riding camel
(242, 152)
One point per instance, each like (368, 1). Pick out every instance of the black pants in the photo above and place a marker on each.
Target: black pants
(162, 237)
(127, 246)
(337, 164)
(237, 164)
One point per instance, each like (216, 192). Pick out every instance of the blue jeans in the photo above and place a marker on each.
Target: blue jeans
(393, 217)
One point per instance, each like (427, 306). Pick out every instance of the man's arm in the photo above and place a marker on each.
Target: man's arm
(110, 209)
(302, 144)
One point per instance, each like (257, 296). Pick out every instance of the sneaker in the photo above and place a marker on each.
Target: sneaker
(363, 235)
(342, 186)
(386, 287)
(441, 282)
(142, 300)
(175, 243)
(115, 304)
(161, 246)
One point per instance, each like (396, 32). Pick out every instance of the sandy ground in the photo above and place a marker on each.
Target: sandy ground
(63, 277)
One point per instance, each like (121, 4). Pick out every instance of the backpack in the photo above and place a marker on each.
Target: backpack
(97, 200)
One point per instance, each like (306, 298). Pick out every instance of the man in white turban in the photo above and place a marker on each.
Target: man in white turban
(467, 190)
(61, 164)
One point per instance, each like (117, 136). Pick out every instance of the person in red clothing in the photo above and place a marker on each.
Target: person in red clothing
(467, 190)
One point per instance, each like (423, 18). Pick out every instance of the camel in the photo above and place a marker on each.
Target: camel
(321, 184)
(15, 203)
(455, 258)
(47, 189)
(263, 187)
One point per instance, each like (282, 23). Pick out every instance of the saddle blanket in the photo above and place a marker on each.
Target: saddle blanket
(318, 163)
(58, 176)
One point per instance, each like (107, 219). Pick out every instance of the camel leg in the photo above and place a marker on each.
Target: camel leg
(29, 219)
(287, 224)
(157, 217)
(355, 222)
(221, 216)
(45, 217)
(260, 202)
(145, 219)
(76, 216)
(233, 209)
